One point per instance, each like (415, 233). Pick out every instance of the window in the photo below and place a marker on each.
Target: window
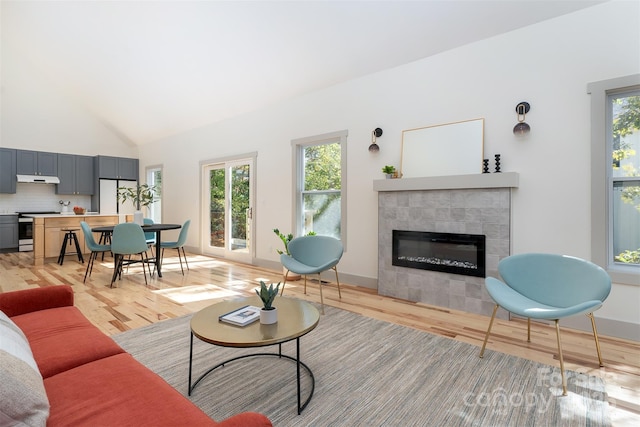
(320, 200)
(154, 177)
(615, 154)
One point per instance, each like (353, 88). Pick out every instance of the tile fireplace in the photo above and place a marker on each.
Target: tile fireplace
(472, 205)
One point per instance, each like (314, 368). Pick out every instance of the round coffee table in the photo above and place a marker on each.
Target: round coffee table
(295, 319)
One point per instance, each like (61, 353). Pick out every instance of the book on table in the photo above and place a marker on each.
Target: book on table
(241, 316)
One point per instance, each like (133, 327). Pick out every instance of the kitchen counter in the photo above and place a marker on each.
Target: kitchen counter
(48, 233)
(66, 215)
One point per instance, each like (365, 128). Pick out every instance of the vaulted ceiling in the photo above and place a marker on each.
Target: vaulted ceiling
(150, 69)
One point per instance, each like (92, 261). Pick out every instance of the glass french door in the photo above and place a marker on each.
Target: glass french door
(228, 209)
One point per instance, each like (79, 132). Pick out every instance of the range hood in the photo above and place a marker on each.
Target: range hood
(39, 179)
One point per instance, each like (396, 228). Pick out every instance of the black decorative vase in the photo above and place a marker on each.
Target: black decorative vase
(497, 156)
(485, 165)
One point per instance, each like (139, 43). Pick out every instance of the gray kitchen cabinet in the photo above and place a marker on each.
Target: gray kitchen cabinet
(7, 170)
(117, 168)
(36, 163)
(8, 232)
(76, 174)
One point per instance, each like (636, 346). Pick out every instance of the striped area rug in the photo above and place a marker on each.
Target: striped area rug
(372, 373)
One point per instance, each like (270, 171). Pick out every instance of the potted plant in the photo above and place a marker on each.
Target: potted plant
(140, 195)
(389, 171)
(286, 239)
(268, 313)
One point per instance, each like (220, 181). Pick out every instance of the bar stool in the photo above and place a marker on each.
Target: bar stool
(70, 234)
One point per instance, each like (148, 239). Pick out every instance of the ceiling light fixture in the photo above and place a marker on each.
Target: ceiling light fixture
(374, 148)
(521, 127)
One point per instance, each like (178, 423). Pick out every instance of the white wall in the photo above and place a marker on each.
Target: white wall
(548, 64)
(35, 115)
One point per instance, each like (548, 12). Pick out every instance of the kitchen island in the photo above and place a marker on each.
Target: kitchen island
(48, 234)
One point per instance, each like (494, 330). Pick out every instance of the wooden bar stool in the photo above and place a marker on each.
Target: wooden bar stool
(70, 235)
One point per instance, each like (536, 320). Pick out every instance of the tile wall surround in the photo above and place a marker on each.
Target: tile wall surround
(38, 197)
(460, 210)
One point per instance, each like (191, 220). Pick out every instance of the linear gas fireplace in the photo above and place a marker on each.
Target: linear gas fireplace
(447, 252)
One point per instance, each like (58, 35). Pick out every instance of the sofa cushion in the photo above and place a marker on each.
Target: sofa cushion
(23, 400)
(118, 391)
(62, 338)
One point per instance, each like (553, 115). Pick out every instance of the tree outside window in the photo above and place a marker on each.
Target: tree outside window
(320, 166)
(625, 177)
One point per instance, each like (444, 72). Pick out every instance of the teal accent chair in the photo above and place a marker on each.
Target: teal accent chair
(179, 244)
(94, 247)
(128, 239)
(312, 255)
(149, 235)
(549, 287)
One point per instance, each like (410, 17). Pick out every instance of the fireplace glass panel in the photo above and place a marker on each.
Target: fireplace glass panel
(446, 252)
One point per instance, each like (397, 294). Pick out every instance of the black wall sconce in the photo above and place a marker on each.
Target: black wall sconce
(522, 128)
(374, 148)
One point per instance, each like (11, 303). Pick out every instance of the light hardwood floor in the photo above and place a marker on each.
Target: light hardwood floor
(131, 304)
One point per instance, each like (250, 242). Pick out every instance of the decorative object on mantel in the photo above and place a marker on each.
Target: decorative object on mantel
(522, 127)
(497, 156)
(138, 195)
(389, 171)
(485, 165)
(374, 148)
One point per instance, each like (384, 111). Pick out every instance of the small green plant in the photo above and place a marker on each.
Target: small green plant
(267, 295)
(286, 239)
(140, 195)
(389, 170)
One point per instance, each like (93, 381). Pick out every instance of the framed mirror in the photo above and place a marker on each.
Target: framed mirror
(448, 149)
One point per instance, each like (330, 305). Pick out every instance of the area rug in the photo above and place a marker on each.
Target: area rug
(372, 373)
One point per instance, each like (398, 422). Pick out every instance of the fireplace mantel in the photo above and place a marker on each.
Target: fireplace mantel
(451, 182)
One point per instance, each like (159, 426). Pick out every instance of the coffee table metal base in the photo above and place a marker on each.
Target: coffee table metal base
(301, 405)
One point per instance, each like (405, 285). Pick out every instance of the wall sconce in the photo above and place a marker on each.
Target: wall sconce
(374, 134)
(522, 128)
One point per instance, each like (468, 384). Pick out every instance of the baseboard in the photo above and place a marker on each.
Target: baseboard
(608, 327)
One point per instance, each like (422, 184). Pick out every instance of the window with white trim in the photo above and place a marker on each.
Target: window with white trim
(615, 151)
(320, 198)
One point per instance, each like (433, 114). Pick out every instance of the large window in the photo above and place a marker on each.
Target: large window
(616, 177)
(320, 165)
(154, 178)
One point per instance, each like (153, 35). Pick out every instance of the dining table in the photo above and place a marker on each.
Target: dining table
(157, 228)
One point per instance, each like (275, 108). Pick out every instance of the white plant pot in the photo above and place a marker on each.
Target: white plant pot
(138, 217)
(268, 317)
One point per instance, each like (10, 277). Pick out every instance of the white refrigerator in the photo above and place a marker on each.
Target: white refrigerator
(108, 201)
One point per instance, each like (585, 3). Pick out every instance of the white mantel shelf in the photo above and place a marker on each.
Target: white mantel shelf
(451, 182)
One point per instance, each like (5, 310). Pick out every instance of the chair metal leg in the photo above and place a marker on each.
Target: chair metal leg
(180, 259)
(89, 265)
(564, 380)
(528, 329)
(595, 337)
(338, 282)
(144, 259)
(321, 298)
(284, 282)
(184, 254)
(486, 337)
(305, 284)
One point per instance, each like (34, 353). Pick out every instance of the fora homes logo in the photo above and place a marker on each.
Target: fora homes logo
(548, 387)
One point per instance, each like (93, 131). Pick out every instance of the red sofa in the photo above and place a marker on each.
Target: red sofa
(88, 378)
